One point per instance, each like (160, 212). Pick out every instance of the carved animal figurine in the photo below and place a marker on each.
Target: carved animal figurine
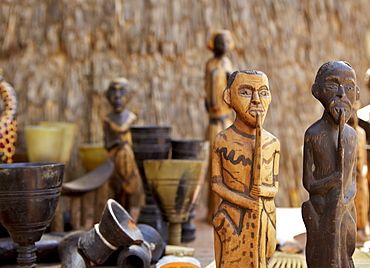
(245, 163)
(118, 142)
(362, 193)
(218, 70)
(329, 170)
(8, 122)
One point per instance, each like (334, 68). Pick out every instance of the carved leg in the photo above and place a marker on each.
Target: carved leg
(236, 237)
(348, 229)
(311, 221)
(269, 236)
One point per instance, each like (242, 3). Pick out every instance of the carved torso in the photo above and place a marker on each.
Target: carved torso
(117, 129)
(245, 232)
(237, 159)
(217, 70)
(117, 140)
(322, 143)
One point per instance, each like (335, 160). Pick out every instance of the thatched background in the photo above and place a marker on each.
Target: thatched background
(61, 55)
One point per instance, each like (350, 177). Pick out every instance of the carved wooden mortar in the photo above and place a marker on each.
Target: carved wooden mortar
(175, 185)
(29, 194)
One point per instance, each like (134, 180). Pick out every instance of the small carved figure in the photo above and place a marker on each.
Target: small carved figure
(362, 193)
(245, 167)
(218, 70)
(329, 170)
(117, 141)
(8, 122)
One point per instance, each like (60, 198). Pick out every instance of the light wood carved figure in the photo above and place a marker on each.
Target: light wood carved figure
(218, 70)
(329, 170)
(8, 122)
(245, 163)
(118, 142)
(362, 193)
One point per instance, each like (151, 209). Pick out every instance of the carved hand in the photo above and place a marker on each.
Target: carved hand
(256, 191)
(254, 204)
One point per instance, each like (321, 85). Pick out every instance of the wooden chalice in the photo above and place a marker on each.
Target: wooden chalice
(29, 194)
(175, 185)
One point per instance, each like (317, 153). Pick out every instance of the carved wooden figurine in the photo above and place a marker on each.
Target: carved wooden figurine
(362, 193)
(8, 122)
(244, 174)
(218, 70)
(117, 141)
(329, 170)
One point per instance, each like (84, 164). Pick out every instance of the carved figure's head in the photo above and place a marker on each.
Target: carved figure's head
(221, 42)
(117, 94)
(248, 93)
(335, 87)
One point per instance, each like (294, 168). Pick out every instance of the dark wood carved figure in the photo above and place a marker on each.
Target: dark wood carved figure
(329, 170)
(8, 122)
(362, 193)
(218, 70)
(117, 141)
(245, 163)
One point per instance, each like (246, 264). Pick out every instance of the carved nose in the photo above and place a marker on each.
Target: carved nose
(255, 98)
(341, 93)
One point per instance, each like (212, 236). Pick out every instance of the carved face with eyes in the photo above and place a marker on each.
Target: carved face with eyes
(249, 95)
(117, 96)
(221, 44)
(336, 89)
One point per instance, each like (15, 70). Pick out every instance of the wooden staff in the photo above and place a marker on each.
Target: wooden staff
(256, 183)
(341, 149)
(257, 159)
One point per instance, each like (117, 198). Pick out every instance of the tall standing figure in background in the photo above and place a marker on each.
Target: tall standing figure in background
(245, 165)
(118, 142)
(8, 122)
(218, 70)
(329, 170)
(362, 193)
